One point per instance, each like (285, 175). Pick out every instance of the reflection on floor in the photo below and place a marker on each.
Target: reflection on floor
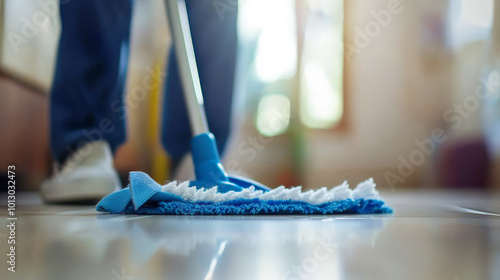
(430, 236)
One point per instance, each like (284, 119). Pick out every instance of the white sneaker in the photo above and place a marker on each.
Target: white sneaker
(87, 175)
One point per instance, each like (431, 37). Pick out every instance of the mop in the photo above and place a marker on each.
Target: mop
(214, 192)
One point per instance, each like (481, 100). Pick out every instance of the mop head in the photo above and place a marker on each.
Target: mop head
(145, 196)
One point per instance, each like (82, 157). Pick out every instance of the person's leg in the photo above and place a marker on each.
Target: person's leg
(86, 101)
(214, 41)
(87, 115)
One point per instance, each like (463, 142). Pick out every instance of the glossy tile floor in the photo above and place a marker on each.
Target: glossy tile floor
(441, 236)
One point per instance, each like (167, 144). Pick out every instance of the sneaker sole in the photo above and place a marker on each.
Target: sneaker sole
(82, 189)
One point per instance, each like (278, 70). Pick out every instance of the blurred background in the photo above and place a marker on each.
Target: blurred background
(406, 92)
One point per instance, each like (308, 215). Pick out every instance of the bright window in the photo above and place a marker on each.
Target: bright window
(274, 32)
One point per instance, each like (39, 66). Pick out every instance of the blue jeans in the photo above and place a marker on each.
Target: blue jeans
(87, 97)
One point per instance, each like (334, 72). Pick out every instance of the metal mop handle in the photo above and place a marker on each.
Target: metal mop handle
(181, 34)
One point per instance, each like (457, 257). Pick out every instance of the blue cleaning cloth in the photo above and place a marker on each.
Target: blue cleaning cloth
(144, 196)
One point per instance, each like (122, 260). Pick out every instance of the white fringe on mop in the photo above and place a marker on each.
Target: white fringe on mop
(365, 190)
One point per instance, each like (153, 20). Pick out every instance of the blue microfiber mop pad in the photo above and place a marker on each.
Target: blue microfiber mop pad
(145, 196)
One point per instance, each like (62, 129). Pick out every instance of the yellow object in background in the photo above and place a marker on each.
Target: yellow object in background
(159, 164)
